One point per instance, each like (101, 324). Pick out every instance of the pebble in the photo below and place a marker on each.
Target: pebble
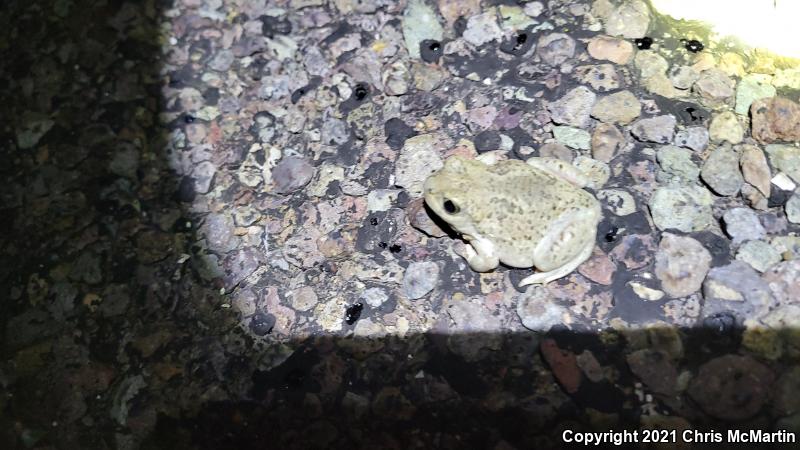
(792, 208)
(601, 77)
(755, 168)
(752, 87)
(421, 220)
(681, 264)
(534, 9)
(427, 77)
(785, 158)
(607, 141)
(726, 127)
(714, 86)
(646, 293)
(556, 150)
(483, 28)
(538, 311)
(742, 224)
(721, 171)
(555, 48)
(514, 18)
(598, 268)
(659, 129)
(420, 23)
(731, 387)
(656, 370)
(695, 138)
(683, 77)
(620, 107)
(630, 20)
(374, 297)
(775, 119)
(650, 64)
(239, 264)
(303, 298)
(760, 255)
(417, 160)
(573, 137)
(419, 279)
(676, 165)
(737, 288)
(563, 364)
(396, 79)
(616, 50)
(784, 281)
(573, 108)
(597, 172)
(685, 208)
(619, 202)
(291, 174)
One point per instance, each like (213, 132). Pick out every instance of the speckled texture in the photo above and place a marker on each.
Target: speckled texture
(519, 214)
(213, 233)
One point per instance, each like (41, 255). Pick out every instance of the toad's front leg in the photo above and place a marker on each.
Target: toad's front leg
(481, 255)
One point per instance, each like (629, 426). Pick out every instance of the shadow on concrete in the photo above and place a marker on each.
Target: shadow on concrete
(112, 340)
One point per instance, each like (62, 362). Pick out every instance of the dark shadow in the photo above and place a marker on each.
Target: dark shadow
(118, 333)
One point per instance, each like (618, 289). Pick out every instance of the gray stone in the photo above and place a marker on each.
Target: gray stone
(420, 22)
(334, 131)
(684, 208)
(538, 311)
(715, 86)
(683, 77)
(785, 158)
(742, 225)
(573, 137)
(418, 159)
(732, 387)
(760, 255)
(419, 279)
(303, 298)
(607, 141)
(752, 87)
(483, 28)
(218, 232)
(630, 19)
(374, 297)
(596, 172)
(573, 108)
(650, 64)
(659, 129)
(755, 168)
(726, 127)
(238, 265)
(291, 173)
(676, 165)
(555, 48)
(681, 264)
(695, 138)
(222, 61)
(784, 281)
(735, 288)
(721, 171)
(203, 174)
(620, 107)
(793, 207)
(601, 77)
(619, 202)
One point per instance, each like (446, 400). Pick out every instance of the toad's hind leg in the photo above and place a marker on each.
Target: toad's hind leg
(546, 277)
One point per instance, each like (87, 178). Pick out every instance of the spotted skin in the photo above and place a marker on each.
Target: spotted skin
(532, 214)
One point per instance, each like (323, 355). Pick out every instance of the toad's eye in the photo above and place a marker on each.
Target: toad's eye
(450, 207)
